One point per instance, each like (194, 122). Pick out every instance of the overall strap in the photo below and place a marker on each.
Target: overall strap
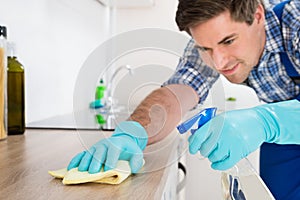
(291, 71)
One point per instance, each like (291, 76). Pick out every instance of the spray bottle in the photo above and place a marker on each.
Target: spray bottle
(241, 182)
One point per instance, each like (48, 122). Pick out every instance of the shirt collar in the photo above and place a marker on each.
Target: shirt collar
(274, 38)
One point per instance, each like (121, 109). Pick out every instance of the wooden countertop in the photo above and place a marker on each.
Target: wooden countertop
(26, 159)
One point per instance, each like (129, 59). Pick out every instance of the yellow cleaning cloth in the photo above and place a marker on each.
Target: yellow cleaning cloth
(114, 176)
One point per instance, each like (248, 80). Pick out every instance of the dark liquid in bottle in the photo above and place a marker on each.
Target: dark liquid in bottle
(15, 94)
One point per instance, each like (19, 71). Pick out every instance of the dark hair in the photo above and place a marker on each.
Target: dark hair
(192, 12)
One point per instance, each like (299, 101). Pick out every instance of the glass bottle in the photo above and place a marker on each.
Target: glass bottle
(15, 92)
(3, 78)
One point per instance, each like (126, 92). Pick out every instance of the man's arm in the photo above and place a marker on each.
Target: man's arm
(153, 119)
(161, 111)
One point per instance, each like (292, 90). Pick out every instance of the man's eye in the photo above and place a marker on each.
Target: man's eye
(203, 49)
(227, 42)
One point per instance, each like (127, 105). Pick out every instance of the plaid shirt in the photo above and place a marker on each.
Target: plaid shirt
(274, 2)
(269, 78)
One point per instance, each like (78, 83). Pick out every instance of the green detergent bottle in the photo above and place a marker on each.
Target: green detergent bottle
(99, 95)
(100, 90)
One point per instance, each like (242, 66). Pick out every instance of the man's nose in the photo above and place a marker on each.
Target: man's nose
(219, 57)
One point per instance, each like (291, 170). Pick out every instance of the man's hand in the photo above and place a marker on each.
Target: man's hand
(126, 143)
(233, 135)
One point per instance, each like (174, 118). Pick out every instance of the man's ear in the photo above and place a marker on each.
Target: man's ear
(259, 14)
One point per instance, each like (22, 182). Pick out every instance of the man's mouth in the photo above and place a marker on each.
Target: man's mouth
(230, 71)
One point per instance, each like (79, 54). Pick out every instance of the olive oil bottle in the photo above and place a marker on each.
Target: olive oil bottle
(15, 92)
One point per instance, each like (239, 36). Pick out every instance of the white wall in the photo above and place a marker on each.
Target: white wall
(53, 39)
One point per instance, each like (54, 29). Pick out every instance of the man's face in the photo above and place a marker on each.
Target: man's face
(231, 48)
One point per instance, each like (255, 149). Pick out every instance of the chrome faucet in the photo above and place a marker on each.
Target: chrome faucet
(110, 82)
(109, 108)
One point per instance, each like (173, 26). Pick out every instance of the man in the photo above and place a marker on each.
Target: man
(242, 41)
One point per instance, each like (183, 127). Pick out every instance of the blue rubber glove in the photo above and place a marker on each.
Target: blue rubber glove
(231, 136)
(127, 143)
